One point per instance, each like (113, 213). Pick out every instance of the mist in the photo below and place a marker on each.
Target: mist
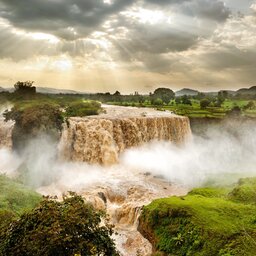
(221, 156)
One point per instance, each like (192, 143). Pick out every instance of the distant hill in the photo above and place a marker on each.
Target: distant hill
(251, 90)
(2, 89)
(228, 91)
(47, 90)
(56, 91)
(186, 91)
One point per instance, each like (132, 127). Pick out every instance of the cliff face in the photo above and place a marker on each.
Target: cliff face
(102, 139)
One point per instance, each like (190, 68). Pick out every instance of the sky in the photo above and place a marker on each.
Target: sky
(109, 45)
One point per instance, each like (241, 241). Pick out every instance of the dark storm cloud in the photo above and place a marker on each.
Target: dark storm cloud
(60, 17)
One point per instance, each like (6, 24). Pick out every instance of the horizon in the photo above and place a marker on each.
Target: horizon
(128, 93)
(108, 45)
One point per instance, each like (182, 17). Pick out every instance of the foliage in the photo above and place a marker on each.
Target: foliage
(208, 221)
(34, 120)
(158, 102)
(204, 103)
(84, 108)
(245, 191)
(25, 87)
(235, 111)
(185, 100)
(165, 94)
(71, 227)
(249, 105)
(15, 199)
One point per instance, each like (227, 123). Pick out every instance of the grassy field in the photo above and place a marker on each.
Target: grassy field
(208, 221)
(195, 110)
(15, 199)
(75, 105)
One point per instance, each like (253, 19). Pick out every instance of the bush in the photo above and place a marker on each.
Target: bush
(158, 102)
(204, 103)
(85, 108)
(71, 227)
(33, 120)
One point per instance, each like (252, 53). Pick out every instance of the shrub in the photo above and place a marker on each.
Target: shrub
(85, 108)
(33, 120)
(71, 227)
(204, 103)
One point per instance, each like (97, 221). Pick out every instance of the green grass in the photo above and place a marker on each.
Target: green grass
(15, 197)
(74, 105)
(208, 221)
(195, 111)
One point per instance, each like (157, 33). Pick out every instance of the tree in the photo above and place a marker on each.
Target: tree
(249, 105)
(235, 112)
(178, 100)
(33, 120)
(57, 228)
(117, 96)
(165, 94)
(117, 93)
(223, 94)
(25, 87)
(186, 100)
(204, 103)
(158, 102)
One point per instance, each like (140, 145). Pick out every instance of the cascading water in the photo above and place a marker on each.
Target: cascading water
(6, 129)
(100, 139)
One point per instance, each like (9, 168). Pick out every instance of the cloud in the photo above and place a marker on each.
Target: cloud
(67, 19)
(20, 46)
(185, 42)
(207, 9)
(165, 2)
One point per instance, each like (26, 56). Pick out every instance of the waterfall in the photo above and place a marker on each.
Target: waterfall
(6, 128)
(100, 139)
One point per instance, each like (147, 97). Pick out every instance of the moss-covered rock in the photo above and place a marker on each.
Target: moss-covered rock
(208, 221)
(245, 191)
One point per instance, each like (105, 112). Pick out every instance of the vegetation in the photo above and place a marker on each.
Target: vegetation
(208, 221)
(35, 114)
(85, 108)
(71, 227)
(30, 225)
(164, 94)
(25, 88)
(15, 199)
(31, 121)
(203, 105)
